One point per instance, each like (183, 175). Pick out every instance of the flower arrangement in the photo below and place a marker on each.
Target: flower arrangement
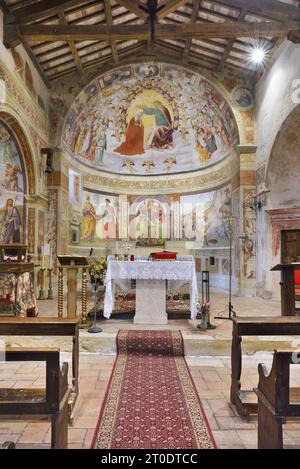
(204, 309)
(98, 269)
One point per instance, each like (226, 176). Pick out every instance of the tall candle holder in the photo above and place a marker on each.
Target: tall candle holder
(50, 289)
(94, 328)
(60, 292)
(42, 291)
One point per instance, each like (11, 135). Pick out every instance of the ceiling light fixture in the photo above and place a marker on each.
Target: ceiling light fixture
(258, 55)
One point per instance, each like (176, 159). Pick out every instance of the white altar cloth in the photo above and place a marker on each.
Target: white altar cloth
(152, 270)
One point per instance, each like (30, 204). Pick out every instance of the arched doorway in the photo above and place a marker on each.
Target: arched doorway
(282, 179)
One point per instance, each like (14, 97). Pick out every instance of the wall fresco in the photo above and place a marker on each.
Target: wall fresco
(12, 188)
(151, 220)
(149, 119)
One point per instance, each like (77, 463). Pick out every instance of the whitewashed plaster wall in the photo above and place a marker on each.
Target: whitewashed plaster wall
(277, 95)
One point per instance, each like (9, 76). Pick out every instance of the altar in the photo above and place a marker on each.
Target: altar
(150, 279)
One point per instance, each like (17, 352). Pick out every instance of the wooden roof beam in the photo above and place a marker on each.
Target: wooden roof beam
(109, 20)
(42, 9)
(142, 32)
(275, 9)
(169, 7)
(73, 49)
(196, 7)
(133, 6)
(228, 48)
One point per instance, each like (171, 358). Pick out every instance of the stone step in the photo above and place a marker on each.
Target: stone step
(195, 343)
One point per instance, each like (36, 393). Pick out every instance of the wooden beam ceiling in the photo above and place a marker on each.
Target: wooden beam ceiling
(169, 7)
(43, 9)
(59, 32)
(133, 6)
(64, 35)
(72, 46)
(109, 20)
(273, 8)
(194, 16)
(230, 43)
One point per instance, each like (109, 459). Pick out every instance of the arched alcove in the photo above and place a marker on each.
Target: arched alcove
(17, 179)
(283, 172)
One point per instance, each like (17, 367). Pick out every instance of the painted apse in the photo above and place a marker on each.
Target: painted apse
(150, 119)
(153, 159)
(12, 189)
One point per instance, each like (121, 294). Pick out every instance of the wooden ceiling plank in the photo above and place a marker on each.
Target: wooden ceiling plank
(229, 46)
(133, 6)
(109, 20)
(116, 18)
(73, 49)
(169, 7)
(141, 32)
(196, 7)
(273, 8)
(43, 9)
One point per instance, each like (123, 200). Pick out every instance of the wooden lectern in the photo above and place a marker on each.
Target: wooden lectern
(288, 297)
(72, 264)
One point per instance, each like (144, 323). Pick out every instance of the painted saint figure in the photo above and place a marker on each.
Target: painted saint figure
(89, 220)
(11, 224)
(161, 135)
(134, 141)
(10, 179)
(101, 145)
(108, 218)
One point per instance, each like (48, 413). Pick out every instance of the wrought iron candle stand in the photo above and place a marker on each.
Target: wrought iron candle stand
(231, 312)
(42, 291)
(50, 289)
(94, 328)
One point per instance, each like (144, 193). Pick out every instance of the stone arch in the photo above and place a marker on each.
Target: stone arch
(283, 168)
(12, 121)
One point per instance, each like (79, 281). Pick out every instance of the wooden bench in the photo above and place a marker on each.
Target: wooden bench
(50, 402)
(245, 402)
(49, 327)
(276, 400)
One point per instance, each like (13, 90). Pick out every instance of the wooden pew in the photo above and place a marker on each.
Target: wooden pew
(245, 401)
(50, 402)
(276, 400)
(49, 327)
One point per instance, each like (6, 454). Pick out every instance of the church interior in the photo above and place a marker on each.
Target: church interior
(149, 224)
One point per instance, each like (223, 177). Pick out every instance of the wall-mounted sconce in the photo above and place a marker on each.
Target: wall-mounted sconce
(258, 200)
(48, 152)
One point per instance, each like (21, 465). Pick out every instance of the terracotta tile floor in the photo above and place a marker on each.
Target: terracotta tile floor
(211, 376)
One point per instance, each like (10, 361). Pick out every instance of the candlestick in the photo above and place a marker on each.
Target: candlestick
(42, 291)
(50, 259)
(50, 289)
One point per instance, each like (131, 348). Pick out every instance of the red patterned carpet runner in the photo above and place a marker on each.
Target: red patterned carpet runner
(151, 401)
